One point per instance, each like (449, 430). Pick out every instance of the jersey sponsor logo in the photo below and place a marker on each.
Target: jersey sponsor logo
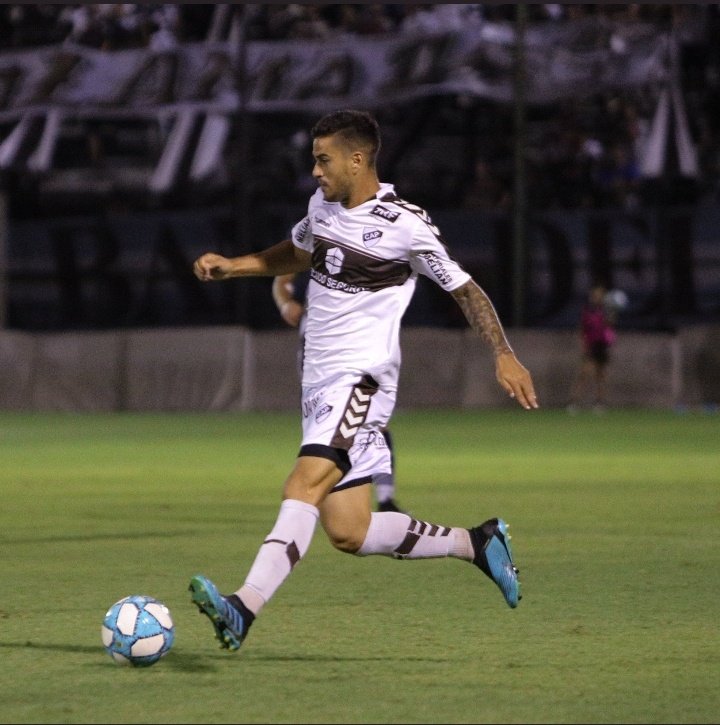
(337, 284)
(371, 236)
(436, 266)
(334, 258)
(302, 229)
(358, 270)
(385, 213)
(321, 220)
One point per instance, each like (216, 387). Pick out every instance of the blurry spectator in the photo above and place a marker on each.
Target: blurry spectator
(637, 127)
(85, 28)
(111, 26)
(280, 20)
(309, 24)
(373, 20)
(553, 11)
(433, 18)
(166, 21)
(597, 336)
(30, 25)
(486, 191)
(342, 18)
(618, 177)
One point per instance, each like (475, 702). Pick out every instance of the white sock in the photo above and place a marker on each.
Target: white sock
(384, 487)
(403, 537)
(284, 546)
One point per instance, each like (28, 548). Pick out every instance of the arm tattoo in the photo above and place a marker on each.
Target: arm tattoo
(480, 313)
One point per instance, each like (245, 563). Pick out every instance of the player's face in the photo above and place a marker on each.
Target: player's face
(334, 168)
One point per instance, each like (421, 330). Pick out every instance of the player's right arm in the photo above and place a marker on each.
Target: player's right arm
(509, 371)
(283, 292)
(431, 258)
(281, 258)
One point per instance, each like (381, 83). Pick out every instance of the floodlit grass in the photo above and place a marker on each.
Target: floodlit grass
(615, 530)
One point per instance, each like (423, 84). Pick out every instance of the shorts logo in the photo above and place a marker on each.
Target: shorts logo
(384, 213)
(371, 439)
(371, 236)
(310, 405)
(323, 412)
(334, 258)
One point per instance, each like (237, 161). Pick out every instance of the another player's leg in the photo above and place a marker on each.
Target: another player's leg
(385, 482)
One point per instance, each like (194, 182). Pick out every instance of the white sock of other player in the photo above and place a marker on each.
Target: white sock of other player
(284, 546)
(403, 537)
(384, 487)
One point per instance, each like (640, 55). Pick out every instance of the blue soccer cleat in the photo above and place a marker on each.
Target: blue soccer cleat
(229, 617)
(491, 543)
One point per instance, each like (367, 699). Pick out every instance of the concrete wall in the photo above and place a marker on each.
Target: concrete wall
(230, 368)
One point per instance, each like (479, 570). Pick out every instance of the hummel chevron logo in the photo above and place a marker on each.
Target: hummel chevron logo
(347, 432)
(355, 414)
(355, 420)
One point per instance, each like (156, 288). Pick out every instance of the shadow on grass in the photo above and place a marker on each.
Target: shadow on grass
(195, 662)
(76, 648)
(182, 661)
(343, 658)
(101, 537)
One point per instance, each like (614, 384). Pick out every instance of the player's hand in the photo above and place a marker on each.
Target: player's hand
(212, 267)
(292, 311)
(515, 380)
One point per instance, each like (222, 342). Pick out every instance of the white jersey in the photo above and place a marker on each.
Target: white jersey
(365, 263)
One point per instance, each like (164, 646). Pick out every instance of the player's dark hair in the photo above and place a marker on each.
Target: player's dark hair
(356, 128)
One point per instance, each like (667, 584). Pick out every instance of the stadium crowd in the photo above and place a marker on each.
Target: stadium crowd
(126, 25)
(587, 148)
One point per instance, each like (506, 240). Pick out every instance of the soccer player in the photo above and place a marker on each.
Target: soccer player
(289, 291)
(364, 247)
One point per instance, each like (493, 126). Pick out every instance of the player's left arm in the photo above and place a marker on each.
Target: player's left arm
(480, 313)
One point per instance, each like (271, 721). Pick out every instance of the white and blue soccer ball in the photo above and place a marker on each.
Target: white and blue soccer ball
(138, 630)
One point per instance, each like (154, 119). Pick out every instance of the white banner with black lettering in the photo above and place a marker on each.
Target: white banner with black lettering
(563, 61)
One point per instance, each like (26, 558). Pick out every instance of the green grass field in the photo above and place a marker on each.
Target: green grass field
(615, 522)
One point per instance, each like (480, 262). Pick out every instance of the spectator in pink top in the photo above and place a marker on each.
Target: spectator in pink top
(597, 335)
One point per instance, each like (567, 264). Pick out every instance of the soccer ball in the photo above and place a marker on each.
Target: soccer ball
(616, 299)
(138, 631)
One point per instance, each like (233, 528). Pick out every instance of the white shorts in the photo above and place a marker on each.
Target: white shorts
(343, 421)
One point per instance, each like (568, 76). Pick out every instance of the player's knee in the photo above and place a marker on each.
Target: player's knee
(347, 543)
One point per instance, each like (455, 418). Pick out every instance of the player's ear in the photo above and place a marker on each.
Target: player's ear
(357, 159)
